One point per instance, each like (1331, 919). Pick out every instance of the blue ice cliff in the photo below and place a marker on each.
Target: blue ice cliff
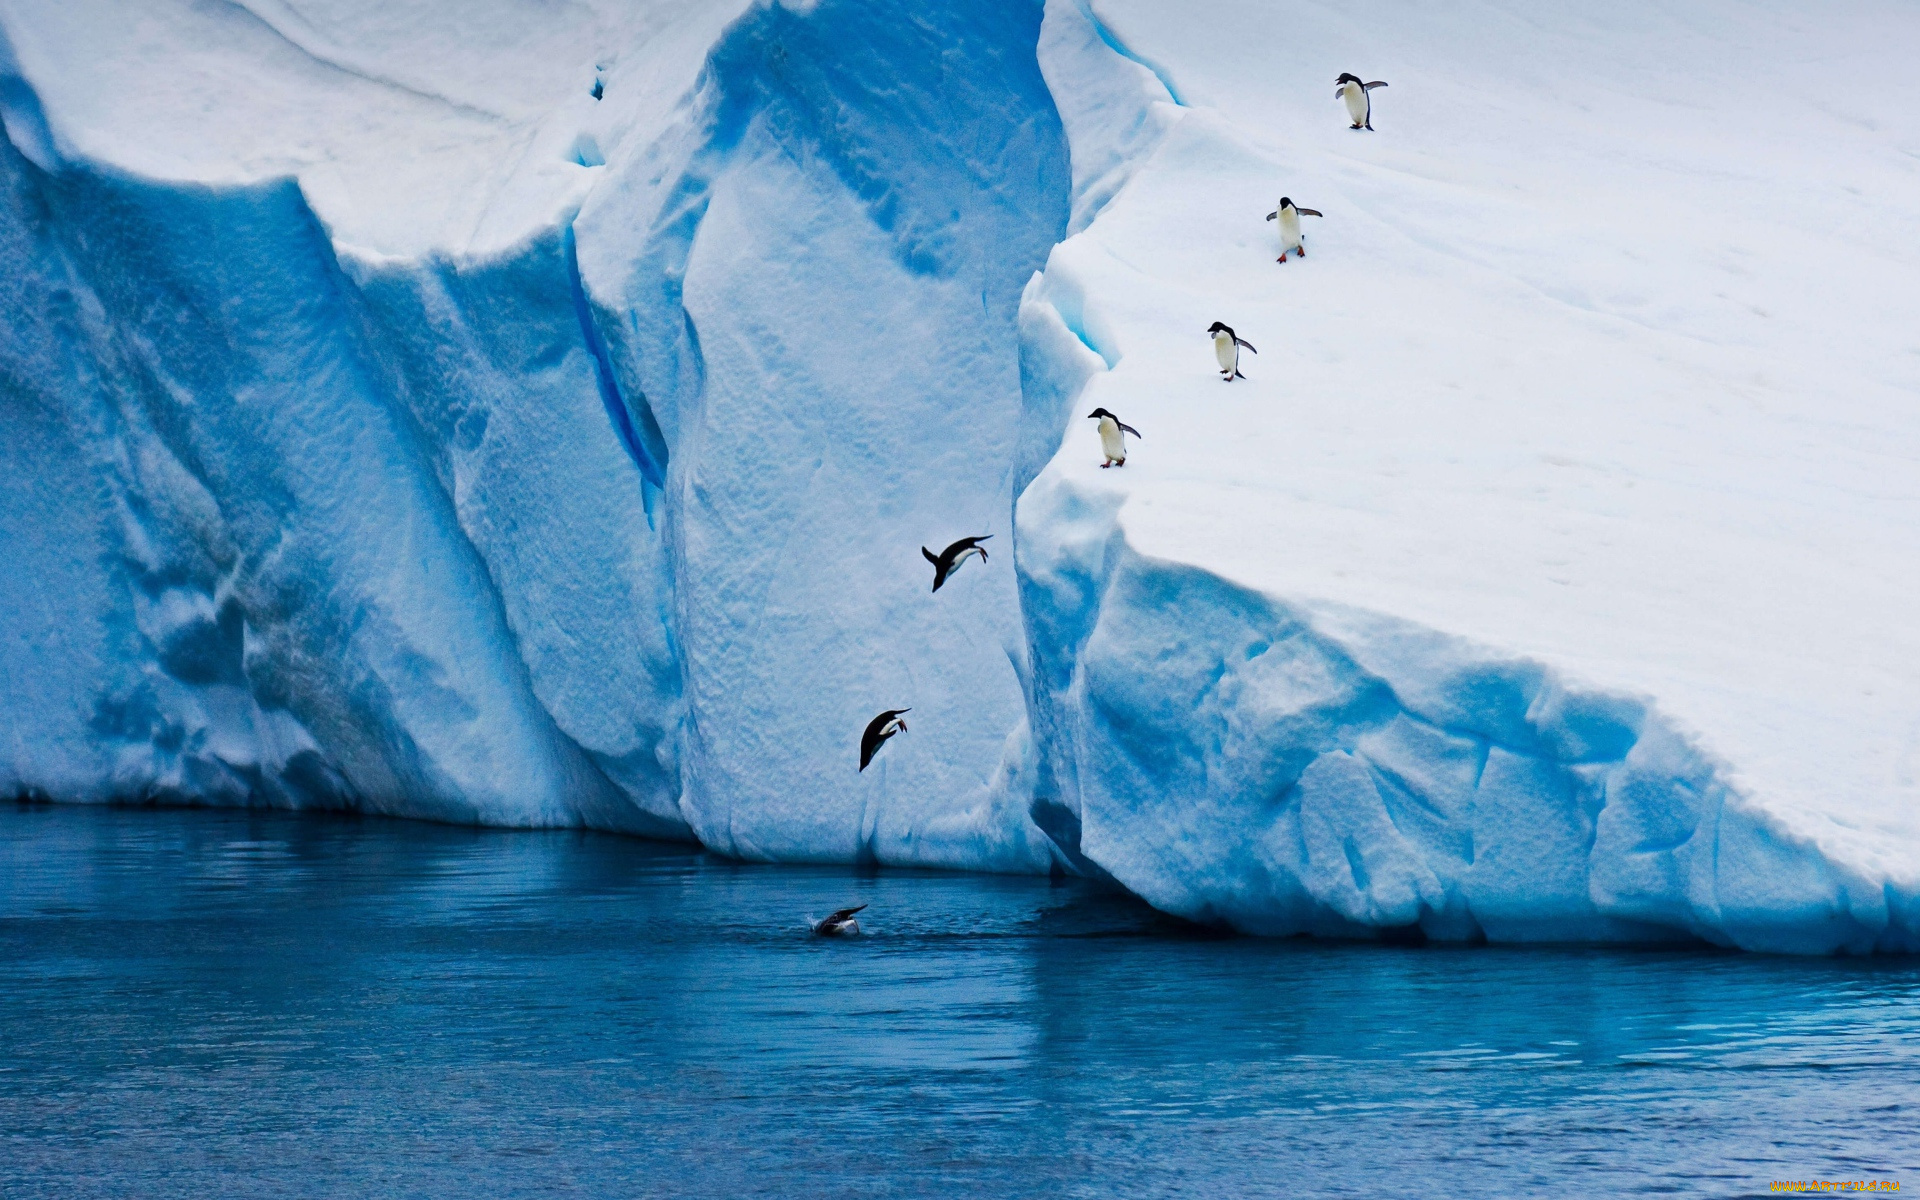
(536, 423)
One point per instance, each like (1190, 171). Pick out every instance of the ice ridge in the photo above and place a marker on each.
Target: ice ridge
(610, 517)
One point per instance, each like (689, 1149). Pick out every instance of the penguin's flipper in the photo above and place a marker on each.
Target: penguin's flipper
(1273, 216)
(1377, 83)
(1311, 212)
(931, 557)
(1246, 345)
(1130, 429)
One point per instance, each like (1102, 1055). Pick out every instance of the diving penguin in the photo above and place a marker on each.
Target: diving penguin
(839, 923)
(1359, 103)
(1112, 442)
(1226, 351)
(948, 561)
(1291, 238)
(878, 731)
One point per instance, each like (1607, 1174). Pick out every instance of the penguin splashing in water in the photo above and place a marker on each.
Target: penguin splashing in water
(1359, 103)
(1113, 442)
(1226, 351)
(839, 923)
(1291, 239)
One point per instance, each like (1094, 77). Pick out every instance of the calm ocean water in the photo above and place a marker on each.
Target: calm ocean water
(229, 1004)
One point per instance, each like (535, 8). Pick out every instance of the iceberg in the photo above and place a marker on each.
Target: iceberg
(535, 420)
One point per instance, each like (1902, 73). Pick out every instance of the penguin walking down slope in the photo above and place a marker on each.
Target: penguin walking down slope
(1359, 104)
(878, 731)
(1112, 442)
(1291, 238)
(948, 561)
(1226, 351)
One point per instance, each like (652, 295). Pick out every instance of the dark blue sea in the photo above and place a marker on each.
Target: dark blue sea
(217, 1004)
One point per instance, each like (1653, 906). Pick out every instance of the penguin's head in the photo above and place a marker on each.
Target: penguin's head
(1217, 327)
(1097, 413)
(1347, 77)
(1286, 202)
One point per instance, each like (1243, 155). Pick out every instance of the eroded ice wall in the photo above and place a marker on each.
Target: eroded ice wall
(809, 287)
(543, 430)
(344, 522)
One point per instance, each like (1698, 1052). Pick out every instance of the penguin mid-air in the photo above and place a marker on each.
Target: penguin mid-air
(1359, 103)
(1291, 238)
(839, 923)
(878, 731)
(948, 561)
(1113, 442)
(1226, 351)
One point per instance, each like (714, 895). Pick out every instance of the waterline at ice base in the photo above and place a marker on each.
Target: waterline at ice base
(545, 431)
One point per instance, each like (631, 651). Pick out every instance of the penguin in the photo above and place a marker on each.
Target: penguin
(839, 924)
(1112, 443)
(878, 731)
(1226, 351)
(1359, 103)
(1291, 238)
(948, 561)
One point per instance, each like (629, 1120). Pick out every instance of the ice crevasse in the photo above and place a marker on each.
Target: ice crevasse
(534, 419)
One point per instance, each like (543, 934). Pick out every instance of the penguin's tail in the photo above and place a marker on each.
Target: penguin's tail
(1237, 374)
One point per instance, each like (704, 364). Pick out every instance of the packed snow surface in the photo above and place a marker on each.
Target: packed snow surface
(532, 414)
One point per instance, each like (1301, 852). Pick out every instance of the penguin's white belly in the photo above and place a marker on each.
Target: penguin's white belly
(1356, 98)
(961, 557)
(1224, 351)
(1289, 229)
(1112, 443)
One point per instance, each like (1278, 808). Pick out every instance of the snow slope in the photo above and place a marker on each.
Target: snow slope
(1562, 537)
(533, 417)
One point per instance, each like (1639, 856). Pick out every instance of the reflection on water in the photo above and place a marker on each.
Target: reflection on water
(203, 1003)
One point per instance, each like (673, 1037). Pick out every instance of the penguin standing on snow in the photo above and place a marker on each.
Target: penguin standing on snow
(878, 731)
(1291, 238)
(1359, 103)
(948, 561)
(1226, 351)
(1112, 442)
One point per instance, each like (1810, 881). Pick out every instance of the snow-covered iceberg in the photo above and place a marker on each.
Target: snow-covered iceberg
(535, 419)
